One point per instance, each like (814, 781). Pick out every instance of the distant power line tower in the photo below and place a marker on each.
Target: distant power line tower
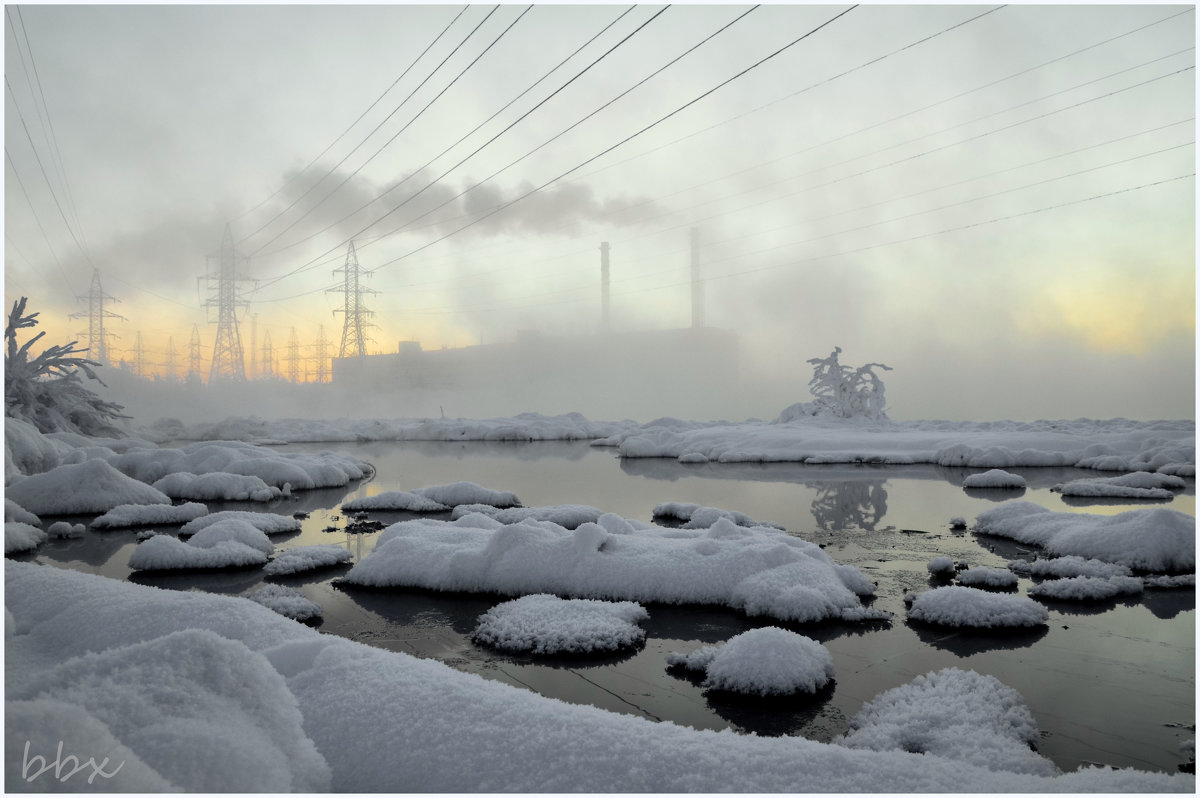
(353, 339)
(195, 352)
(96, 314)
(228, 359)
(253, 346)
(139, 355)
(267, 365)
(293, 357)
(322, 347)
(172, 368)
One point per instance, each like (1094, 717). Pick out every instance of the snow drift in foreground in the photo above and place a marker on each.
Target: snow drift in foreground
(1152, 540)
(969, 606)
(545, 624)
(755, 569)
(1167, 447)
(764, 661)
(244, 700)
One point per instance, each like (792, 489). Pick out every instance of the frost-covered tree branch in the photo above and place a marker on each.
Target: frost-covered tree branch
(47, 390)
(841, 391)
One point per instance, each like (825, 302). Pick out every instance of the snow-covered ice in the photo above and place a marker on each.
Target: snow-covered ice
(763, 661)
(941, 566)
(568, 516)
(545, 624)
(90, 487)
(287, 601)
(219, 486)
(273, 706)
(1156, 539)
(698, 516)
(1058, 567)
(987, 577)
(1086, 588)
(165, 553)
(237, 529)
(1138, 485)
(131, 515)
(955, 605)
(15, 512)
(306, 558)
(956, 714)
(996, 478)
(395, 500)
(458, 493)
(20, 537)
(268, 523)
(758, 570)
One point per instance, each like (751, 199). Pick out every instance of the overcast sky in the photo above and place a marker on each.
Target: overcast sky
(998, 202)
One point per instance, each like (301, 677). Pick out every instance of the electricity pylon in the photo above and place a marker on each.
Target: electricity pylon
(293, 357)
(353, 339)
(96, 314)
(172, 369)
(267, 364)
(322, 347)
(228, 359)
(195, 353)
(139, 356)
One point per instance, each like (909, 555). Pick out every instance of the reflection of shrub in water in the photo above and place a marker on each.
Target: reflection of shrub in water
(847, 505)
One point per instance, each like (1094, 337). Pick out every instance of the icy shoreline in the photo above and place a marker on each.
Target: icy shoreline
(1119, 444)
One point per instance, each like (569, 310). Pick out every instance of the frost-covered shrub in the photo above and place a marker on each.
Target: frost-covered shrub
(841, 391)
(46, 390)
(766, 661)
(940, 566)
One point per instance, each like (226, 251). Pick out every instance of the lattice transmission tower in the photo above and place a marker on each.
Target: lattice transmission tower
(353, 338)
(195, 353)
(267, 364)
(172, 366)
(322, 347)
(293, 357)
(96, 314)
(228, 361)
(139, 355)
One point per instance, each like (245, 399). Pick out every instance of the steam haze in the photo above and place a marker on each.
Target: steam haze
(1000, 206)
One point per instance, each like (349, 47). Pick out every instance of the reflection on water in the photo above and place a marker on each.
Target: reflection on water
(1095, 691)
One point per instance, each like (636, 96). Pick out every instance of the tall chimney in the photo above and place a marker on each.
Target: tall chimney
(604, 320)
(697, 286)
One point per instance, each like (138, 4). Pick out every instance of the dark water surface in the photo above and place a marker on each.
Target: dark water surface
(1110, 683)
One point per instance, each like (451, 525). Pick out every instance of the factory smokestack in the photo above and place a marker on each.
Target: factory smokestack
(604, 319)
(697, 286)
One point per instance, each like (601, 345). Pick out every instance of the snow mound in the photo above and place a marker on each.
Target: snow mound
(165, 553)
(287, 601)
(568, 516)
(1138, 485)
(996, 478)
(987, 577)
(219, 486)
(957, 714)
(546, 624)
(20, 537)
(232, 529)
(764, 661)
(759, 571)
(90, 487)
(15, 512)
(268, 523)
(64, 530)
(1179, 580)
(207, 714)
(131, 515)
(698, 516)
(1086, 588)
(941, 566)
(1058, 567)
(968, 606)
(458, 493)
(396, 500)
(306, 558)
(1153, 540)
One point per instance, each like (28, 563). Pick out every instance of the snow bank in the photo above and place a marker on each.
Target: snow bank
(760, 571)
(987, 577)
(1086, 588)
(968, 606)
(165, 553)
(15, 512)
(287, 601)
(395, 500)
(996, 478)
(90, 487)
(568, 516)
(20, 537)
(131, 515)
(764, 661)
(307, 558)
(268, 523)
(458, 493)
(232, 529)
(421, 726)
(960, 715)
(1058, 567)
(1138, 485)
(700, 517)
(1154, 540)
(546, 624)
(218, 486)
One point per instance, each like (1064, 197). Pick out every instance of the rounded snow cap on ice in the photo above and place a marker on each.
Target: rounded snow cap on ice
(546, 624)
(770, 661)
